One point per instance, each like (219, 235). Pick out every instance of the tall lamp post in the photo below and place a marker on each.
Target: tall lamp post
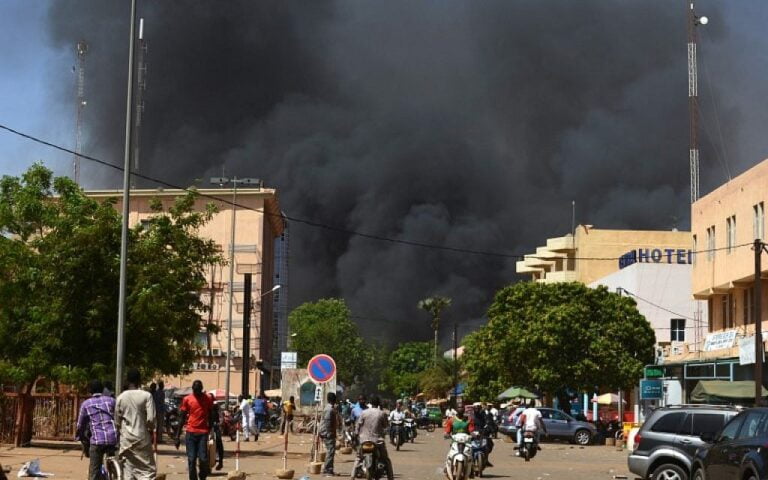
(222, 181)
(272, 290)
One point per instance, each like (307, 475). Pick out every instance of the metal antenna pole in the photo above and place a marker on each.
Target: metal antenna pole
(126, 204)
(82, 49)
(231, 290)
(693, 102)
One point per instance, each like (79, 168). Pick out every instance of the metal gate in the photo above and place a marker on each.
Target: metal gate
(9, 409)
(54, 417)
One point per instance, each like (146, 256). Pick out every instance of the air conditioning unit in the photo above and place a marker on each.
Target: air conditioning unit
(216, 352)
(202, 366)
(194, 365)
(204, 352)
(237, 354)
(213, 366)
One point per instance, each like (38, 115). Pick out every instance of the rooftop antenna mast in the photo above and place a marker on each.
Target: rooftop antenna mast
(82, 50)
(693, 97)
(141, 83)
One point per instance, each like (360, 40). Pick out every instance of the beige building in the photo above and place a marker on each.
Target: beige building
(258, 223)
(594, 253)
(725, 224)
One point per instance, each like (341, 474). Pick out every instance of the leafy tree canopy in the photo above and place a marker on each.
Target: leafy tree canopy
(59, 269)
(404, 367)
(325, 327)
(555, 336)
(437, 381)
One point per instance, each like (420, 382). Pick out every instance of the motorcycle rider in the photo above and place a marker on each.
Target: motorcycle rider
(357, 410)
(396, 415)
(531, 420)
(458, 424)
(482, 423)
(371, 427)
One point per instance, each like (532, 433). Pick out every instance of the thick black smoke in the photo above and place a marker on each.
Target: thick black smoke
(461, 123)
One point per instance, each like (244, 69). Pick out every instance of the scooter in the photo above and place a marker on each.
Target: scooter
(529, 446)
(372, 467)
(396, 434)
(410, 429)
(479, 453)
(350, 436)
(458, 464)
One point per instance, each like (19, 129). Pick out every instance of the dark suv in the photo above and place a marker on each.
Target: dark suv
(665, 446)
(738, 451)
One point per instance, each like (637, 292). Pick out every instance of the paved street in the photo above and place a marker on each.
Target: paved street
(419, 461)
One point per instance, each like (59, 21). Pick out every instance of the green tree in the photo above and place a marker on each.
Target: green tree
(437, 380)
(325, 327)
(434, 305)
(59, 268)
(557, 335)
(404, 367)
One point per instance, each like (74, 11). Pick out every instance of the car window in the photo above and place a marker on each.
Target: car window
(669, 423)
(753, 425)
(731, 428)
(546, 414)
(558, 416)
(697, 423)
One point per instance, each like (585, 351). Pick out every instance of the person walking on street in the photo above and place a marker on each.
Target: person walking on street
(259, 414)
(216, 432)
(245, 416)
(195, 412)
(288, 408)
(372, 427)
(159, 398)
(329, 425)
(97, 414)
(135, 420)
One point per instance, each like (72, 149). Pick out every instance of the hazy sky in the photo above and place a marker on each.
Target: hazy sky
(470, 124)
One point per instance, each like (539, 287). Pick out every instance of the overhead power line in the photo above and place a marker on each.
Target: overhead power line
(314, 223)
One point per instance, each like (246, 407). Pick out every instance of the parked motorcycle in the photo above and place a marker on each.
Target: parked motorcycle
(479, 446)
(172, 422)
(230, 424)
(373, 466)
(529, 446)
(410, 430)
(397, 433)
(458, 464)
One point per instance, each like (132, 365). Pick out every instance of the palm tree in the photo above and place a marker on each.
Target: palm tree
(435, 305)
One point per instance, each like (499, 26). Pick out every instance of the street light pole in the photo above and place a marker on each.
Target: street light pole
(121, 307)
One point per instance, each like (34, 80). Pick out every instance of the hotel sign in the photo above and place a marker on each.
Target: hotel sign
(679, 256)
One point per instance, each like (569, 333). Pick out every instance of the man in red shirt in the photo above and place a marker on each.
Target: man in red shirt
(196, 413)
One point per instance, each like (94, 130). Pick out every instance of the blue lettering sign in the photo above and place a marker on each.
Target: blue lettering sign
(642, 255)
(651, 389)
(681, 256)
(656, 255)
(669, 252)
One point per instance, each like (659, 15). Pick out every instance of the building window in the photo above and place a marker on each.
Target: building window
(747, 306)
(695, 248)
(727, 310)
(758, 221)
(730, 233)
(711, 242)
(677, 329)
(710, 314)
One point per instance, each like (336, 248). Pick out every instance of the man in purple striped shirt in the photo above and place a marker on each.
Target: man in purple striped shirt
(97, 422)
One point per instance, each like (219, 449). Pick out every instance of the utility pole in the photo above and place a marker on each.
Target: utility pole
(126, 208)
(455, 367)
(758, 247)
(82, 50)
(247, 285)
(693, 97)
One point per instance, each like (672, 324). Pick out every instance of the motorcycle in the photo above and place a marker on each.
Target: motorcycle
(350, 436)
(396, 433)
(230, 424)
(172, 422)
(479, 446)
(425, 423)
(410, 430)
(458, 464)
(529, 446)
(373, 467)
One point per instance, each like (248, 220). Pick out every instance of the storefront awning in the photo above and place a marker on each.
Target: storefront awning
(723, 391)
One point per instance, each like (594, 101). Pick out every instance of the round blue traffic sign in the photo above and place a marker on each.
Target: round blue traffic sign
(321, 368)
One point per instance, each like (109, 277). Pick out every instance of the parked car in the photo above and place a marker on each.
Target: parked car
(559, 425)
(665, 446)
(737, 451)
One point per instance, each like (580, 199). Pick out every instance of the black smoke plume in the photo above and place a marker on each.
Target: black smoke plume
(461, 123)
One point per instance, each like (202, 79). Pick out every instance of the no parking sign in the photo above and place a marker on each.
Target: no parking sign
(321, 368)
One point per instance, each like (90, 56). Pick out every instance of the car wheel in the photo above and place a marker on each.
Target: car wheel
(582, 437)
(698, 474)
(669, 471)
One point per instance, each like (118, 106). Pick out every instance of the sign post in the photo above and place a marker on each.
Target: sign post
(321, 369)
